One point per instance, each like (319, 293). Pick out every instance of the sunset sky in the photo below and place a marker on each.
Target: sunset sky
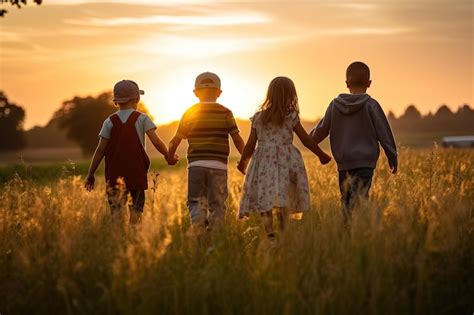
(420, 52)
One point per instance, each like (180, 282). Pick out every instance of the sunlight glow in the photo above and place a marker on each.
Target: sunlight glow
(148, 2)
(217, 20)
(168, 103)
(191, 48)
(85, 46)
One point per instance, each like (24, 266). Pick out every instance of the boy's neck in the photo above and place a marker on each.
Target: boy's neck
(208, 100)
(361, 90)
(125, 107)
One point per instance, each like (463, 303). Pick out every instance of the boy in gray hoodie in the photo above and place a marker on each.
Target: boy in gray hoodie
(356, 124)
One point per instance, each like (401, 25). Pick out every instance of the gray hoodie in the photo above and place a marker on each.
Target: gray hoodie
(356, 124)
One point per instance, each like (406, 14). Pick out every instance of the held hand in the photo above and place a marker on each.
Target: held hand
(394, 169)
(173, 160)
(325, 158)
(89, 183)
(241, 167)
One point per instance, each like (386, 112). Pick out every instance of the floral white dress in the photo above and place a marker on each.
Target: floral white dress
(276, 176)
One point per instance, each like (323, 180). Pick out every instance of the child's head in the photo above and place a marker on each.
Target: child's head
(127, 94)
(207, 87)
(358, 77)
(281, 99)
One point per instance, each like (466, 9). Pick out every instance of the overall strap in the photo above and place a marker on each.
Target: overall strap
(115, 120)
(132, 118)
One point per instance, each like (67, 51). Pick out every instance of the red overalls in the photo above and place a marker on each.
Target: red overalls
(125, 156)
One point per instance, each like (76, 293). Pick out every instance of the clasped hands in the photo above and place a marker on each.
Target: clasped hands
(172, 160)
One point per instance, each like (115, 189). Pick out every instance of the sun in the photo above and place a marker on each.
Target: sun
(170, 97)
(168, 102)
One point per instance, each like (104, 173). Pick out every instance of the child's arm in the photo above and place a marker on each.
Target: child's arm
(160, 145)
(238, 141)
(247, 151)
(96, 159)
(181, 133)
(234, 132)
(385, 136)
(311, 144)
(174, 144)
(322, 129)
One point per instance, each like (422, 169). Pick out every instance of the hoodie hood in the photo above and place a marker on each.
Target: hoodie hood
(350, 103)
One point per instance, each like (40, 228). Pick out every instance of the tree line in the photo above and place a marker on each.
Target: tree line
(442, 121)
(78, 121)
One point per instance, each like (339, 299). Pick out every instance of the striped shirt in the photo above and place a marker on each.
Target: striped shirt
(207, 126)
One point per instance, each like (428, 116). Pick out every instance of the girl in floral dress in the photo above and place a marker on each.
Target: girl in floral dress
(276, 181)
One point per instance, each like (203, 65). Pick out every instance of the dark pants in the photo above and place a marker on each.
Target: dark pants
(117, 199)
(354, 184)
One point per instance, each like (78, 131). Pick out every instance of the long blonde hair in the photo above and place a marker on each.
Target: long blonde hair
(280, 101)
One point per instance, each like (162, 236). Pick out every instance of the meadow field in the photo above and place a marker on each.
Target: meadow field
(409, 250)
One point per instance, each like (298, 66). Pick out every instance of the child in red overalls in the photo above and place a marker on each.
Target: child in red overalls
(122, 142)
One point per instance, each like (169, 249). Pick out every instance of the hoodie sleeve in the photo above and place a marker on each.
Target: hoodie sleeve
(323, 127)
(384, 133)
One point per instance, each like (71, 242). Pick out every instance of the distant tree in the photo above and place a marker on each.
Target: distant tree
(464, 118)
(11, 125)
(467, 114)
(82, 118)
(411, 113)
(443, 112)
(17, 3)
(48, 136)
(391, 116)
(464, 109)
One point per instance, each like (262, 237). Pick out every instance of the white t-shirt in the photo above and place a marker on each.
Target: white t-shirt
(143, 124)
(209, 164)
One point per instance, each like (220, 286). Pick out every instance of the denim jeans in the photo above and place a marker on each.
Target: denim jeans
(354, 184)
(207, 194)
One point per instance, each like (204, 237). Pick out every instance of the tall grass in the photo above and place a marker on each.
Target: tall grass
(410, 250)
(45, 172)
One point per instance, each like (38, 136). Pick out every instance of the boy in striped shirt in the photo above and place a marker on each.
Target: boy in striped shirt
(207, 126)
